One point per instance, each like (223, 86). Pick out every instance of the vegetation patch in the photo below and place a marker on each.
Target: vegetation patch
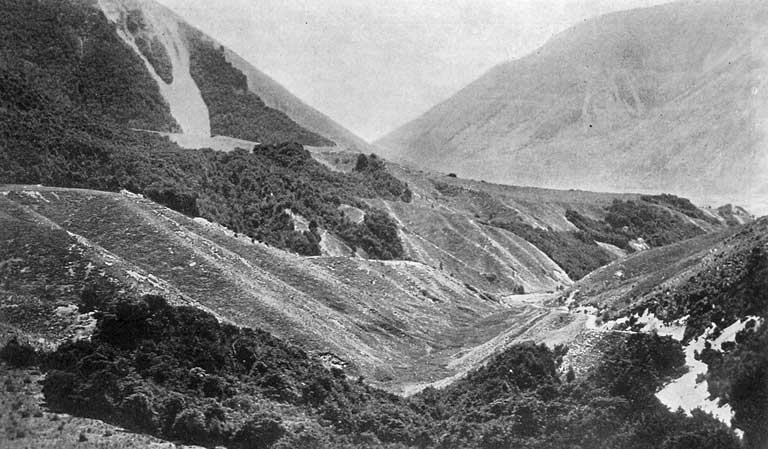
(730, 285)
(682, 205)
(629, 220)
(157, 55)
(733, 285)
(177, 373)
(576, 256)
(72, 53)
(657, 226)
(739, 376)
(235, 110)
(44, 141)
(577, 252)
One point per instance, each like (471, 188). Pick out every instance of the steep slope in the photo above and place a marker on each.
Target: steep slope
(155, 37)
(276, 96)
(71, 55)
(668, 98)
(205, 93)
(717, 278)
(209, 79)
(710, 294)
(139, 64)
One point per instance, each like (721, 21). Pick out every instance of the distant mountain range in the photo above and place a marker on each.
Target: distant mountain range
(668, 98)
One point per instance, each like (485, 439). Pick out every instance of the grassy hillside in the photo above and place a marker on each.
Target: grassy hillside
(379, 317)
(716, 278)
(649, 100)
(618, 286)
(577, 250)
(500, 233)
(732, 283)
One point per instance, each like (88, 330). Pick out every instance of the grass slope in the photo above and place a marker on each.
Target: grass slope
(379, 317)
(714, 281)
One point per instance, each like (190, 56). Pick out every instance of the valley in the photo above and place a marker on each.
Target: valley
(383, 318)
(190, 254)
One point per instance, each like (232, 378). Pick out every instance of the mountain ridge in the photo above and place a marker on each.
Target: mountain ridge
(665, 98)
(140, 21)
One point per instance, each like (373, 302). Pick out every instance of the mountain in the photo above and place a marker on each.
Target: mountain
(212, 89)
(290, 293)
(668, 98)
(137, 63)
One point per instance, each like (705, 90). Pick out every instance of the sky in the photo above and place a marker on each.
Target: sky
(373, 65)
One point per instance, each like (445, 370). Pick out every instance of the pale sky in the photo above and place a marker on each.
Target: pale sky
(373, 65)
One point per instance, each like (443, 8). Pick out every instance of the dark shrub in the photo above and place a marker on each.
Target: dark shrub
(58, 388)
(261, 431)
(137, 410)
(184, 202)
(190, 426)
(18, 354)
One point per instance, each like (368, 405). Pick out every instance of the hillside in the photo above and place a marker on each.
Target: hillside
(577, 230)
(241, 101)
(710, 294)
(384, 318)
(526, 394)
(193, 379)
(206, 393)
(662, 99)
(79, 259)
(137, 63)
(378, 317)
